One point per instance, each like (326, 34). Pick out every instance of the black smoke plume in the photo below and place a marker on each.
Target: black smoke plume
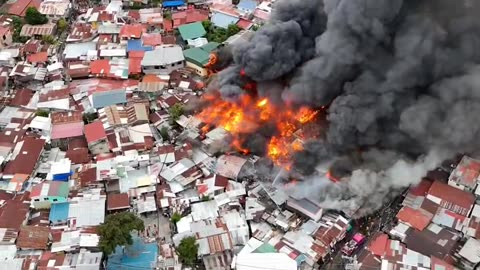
(401, 79)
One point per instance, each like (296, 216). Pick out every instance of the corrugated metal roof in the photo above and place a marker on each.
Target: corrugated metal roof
(223, 20)
(192, 30)
(59, 212)
(107, 98)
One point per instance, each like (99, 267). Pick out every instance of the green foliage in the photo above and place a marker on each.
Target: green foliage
(175, 112)
(62, 25)
(167, 15)
(255, 27)
(49, 39)
(175, 217)
(116, 231)
(220, 34)
(206, 198)
(17, 28)
(136, 5)
(156, 3)
(164, 134)
(42, 113)
(34, 17)
(187, 251)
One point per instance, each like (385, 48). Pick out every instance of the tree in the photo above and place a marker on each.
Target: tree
(255, 27)
(34, 17)
(17, 28)
(176, 217)
(62, 25)
(232, 29)
(156, 3)
(206, 198)
(207, 25)
(187, 251)
(167, 15)
(49, 39)
(164, 134)
(116, 231)
(41, 113)
(175, 112)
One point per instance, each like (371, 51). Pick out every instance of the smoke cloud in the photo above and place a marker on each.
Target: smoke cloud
(401, 79)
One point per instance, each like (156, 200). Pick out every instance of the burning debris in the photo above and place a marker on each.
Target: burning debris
(395, 78)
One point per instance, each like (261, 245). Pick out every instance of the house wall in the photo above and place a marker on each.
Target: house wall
(163, 70)
(99, 147)
(7, 39)
(201, 71)
(44, 202)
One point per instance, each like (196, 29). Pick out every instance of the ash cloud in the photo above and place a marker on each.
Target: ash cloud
(400, 79)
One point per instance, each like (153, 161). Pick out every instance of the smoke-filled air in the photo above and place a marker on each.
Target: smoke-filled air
(384, 89)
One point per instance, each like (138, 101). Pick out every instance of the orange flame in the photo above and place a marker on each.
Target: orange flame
(248, 114)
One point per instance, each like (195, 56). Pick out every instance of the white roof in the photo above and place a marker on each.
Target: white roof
(87, 212)
(75, 50)
(54, 66)
(255, 261)
(147, 205)
(42, 123)
(183, 225)
(204, 210)
(113, 52)
(163, 55)
(471, 250)
(137, 133)
(230, 166)
(198, 42)
(7, 252)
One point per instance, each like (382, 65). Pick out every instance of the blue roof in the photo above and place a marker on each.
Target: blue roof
(138, 255)
(107, 98)
(223, 20)
(59, 212)
(175, 3)
(136, 45)
(247, 5)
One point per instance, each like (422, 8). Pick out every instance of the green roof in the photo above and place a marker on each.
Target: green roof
(265, 248)
(200, 55)
(209, 47)
(192, 30)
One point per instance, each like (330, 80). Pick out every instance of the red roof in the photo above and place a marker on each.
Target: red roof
(22, 97)
(152, 39)
(438, 264)
(135, 65)
(118, 201)
(38, 57)
(27, 158)
(101, 66)
(13, 214)
(132, 31)
(244, 24)
(135, 14)
(378, 244)
(19, 8)
(104, 16)
(417, 218)
(452, 198)
(95, 132)
(78, 156)
(422, 188)
(189, 16)
(167, 25)
(32, 237)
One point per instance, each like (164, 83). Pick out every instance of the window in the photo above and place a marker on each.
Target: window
(163, 67)
(55, 200)
(45, 199)
(37, 200)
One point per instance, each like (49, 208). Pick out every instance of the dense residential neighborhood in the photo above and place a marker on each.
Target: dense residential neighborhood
(106, 165)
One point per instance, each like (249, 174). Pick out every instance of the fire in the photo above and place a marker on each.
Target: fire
(248, 114)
